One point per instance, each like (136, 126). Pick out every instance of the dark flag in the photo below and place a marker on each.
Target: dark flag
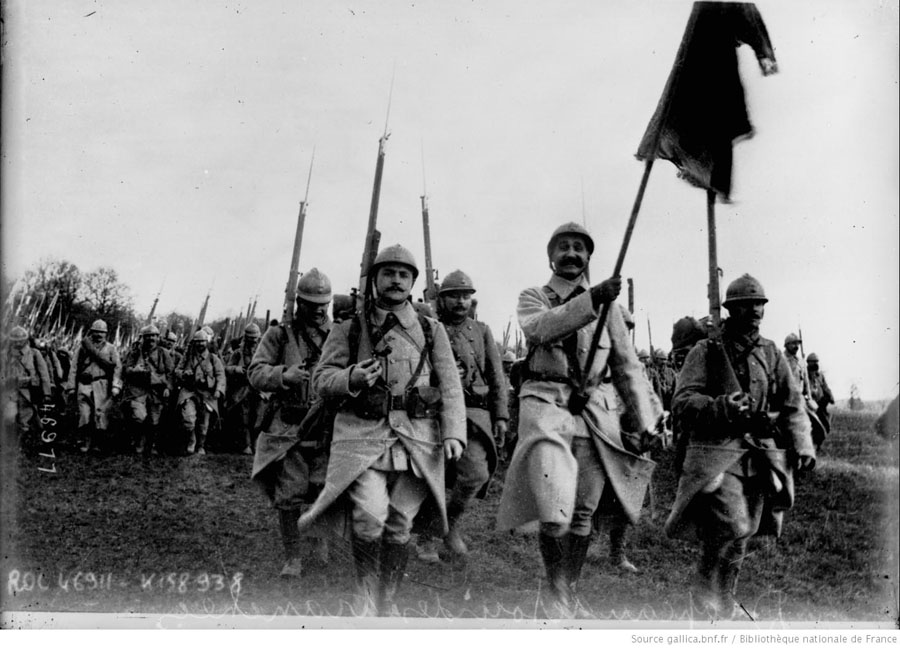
(702, 109)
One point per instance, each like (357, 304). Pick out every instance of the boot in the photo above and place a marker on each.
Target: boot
(393, 564)
(553, 552)
(87, 440)
(575, 557)
(201, 441)
(454, 542)
(365, 560)
(706, 582)
(426, 549)
(617, 549)
(149, 440)
(290, 536)
(192, 442)
(728, 570)
(139, 440)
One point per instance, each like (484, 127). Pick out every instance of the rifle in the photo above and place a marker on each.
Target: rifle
(155, 302)
(800, 335)
(631, 305)
(373, 236)
(430, 288)
(650, 340)
(290, 291)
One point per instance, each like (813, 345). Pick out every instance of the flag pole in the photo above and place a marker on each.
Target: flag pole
(579, 398)
(715, 307)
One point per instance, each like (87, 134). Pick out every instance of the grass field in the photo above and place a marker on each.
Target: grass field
(191, 535)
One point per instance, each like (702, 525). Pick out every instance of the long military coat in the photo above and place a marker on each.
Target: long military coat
(279, 349)
(148, 374)
(25, 370)
(90, 378)
(476, 352)
(357, 442)
(714, 448)
(201, 377)
(542, 477)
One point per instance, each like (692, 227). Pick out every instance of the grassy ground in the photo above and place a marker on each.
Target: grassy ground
(192, 535)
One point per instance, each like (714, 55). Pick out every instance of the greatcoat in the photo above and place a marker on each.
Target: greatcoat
(358, 442)
(201, 377)
(476, 353)
(93, 380)
(542, 476)
(718, 444)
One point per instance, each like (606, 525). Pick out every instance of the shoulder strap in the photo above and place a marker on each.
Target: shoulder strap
(426, 352)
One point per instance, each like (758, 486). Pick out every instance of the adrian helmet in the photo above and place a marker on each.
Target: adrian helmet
(571, 229)
(314, 287)
(744, 288)
(396, 254)
(457, 281)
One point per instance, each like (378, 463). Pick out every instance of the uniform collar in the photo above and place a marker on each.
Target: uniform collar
(564, 287)
(406, 315)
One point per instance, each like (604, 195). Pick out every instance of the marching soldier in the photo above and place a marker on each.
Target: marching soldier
(571, 453)
(402, 416)
(246, 405)
(664, 384)
(26, 385)
(686, 332)
(484, 391)
(748, 432)
(820, 394)
(96, 377)
(201, 378)
(149, 372)
(288, 464)
(791, 347)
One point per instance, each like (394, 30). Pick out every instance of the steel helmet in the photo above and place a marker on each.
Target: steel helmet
(659, 354)
(643, 354)
(791, 337)
(686, 332)
(509, 356)
(170, 335)
(200, 336)
(251, 330)
(570, 228)
(208, 330)
(18, 334)
(744, 288)
(457, 281)
(99, 325)
(812, 357)
(314, 287)
(149, 330)
(396, 254)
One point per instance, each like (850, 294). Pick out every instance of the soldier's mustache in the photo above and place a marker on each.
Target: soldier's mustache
(572, 261)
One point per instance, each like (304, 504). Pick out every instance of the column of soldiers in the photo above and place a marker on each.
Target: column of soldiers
(389, 422)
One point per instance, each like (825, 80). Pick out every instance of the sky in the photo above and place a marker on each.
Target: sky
(172, 141)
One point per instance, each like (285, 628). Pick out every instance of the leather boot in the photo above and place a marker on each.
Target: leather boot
(454, 542)
(617, 549)
(139, 435)
(706, 582)
(728, 569)
(290, 537)
(149, 439)
(201, 442)
(366, 557)
(576, 554)
(553, 552)
(192, 442)
(393, 566)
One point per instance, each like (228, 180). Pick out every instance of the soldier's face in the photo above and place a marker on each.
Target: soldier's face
(458, 303)
(747, 315)
(19, 344)
(250, 341)
(312, 313)
(198, 346)
(569, 256)
(394, 282)
(167, 344)
(151, 342)
(792, 347)
(98, 336)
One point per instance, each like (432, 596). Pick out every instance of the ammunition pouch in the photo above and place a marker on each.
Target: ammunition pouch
(757, 425)
(477, 397)
(295, 402)
(423, 401)
(373, 403)
(578, 400)
(88, 379)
